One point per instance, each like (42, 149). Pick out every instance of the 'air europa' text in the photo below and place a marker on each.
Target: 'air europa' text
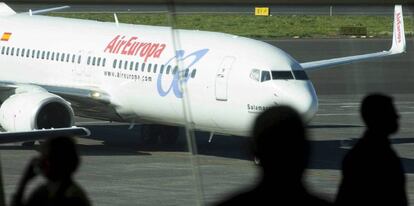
(131, 46)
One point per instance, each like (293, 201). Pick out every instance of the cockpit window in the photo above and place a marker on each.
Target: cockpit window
(282, 75)
(300, 75)
(255, 74)
(265, 76)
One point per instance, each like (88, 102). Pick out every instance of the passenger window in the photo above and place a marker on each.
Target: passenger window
(175, 70)
(12, 51)
(143, 67)
(168, 69)
(93, 61)
(43, 54)
(67, 57)
(28, 53)
(38, 54)
(7, 50)
(131, 65)
(114, 63)
(79, 59)
(103, 62)
(48, 55)
(136, 66)
(186, 73)
(265, 76)
(18, 52)
(3, 49)
(155, 68)
(62, 57)
(120, 64)
(23, 52)
(57, 56)
(149, 67)
(98, 63)
(53, 56)
(73, 58)
(126, 65)
(255, 74)
(193, 73)
(162, 69)
(88, 61)
(33, 53)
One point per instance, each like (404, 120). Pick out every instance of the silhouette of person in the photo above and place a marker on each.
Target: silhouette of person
(372, 173)
(280, 144)
(57, 162)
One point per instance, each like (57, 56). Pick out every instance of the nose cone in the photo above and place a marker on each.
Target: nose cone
(300, 95)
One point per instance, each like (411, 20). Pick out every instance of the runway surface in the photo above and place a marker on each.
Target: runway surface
(168, 175)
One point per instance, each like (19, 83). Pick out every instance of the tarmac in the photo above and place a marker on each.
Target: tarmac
(134, 174)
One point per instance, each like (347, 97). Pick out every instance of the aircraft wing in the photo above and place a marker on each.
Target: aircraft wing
(11, 137)
(398, 46)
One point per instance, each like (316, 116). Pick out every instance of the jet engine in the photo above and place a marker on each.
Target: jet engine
(35, 110)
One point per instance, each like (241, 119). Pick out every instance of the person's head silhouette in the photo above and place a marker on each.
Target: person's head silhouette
(59, 158)
(279, 142)
(379, 114)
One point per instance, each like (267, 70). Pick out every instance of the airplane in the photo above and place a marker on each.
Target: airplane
(55, 68)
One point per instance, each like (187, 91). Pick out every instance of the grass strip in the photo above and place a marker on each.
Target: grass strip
(284, 26)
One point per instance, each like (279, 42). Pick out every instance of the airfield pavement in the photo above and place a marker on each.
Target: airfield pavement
(168, 175)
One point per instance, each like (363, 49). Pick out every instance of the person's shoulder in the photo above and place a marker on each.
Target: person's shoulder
(39, 196)
(76, 193)
(75, 189)
(361, 148)
(41, 189)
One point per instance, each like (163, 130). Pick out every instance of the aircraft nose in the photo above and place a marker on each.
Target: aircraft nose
(302, 97)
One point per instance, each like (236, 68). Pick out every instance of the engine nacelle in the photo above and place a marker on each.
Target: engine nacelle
(35, 110)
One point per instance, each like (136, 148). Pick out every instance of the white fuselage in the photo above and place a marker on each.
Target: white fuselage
(229, 79)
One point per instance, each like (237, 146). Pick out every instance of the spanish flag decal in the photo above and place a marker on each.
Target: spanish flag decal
(6, 36)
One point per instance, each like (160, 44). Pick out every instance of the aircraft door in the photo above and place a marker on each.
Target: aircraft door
(222, 78)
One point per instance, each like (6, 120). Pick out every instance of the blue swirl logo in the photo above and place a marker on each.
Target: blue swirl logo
(175, 83)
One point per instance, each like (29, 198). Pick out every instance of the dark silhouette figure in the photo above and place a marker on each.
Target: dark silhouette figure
(372, 172)
(280, 144)
(57, 162)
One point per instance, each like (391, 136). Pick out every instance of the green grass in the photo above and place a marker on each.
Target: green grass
(260, 27)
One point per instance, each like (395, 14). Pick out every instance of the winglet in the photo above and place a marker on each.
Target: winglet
(398, 46)
(398, 36)
(6, 10)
